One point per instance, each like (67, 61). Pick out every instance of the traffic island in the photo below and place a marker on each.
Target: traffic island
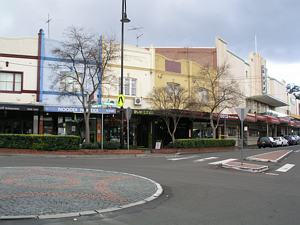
(247, 167)
(52, 192)
(274, 156)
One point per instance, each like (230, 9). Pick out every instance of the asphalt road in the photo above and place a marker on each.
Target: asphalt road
(195, 193)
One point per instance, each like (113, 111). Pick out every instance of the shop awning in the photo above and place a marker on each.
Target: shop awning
(295, 116)
(273, 120)
(268, 100)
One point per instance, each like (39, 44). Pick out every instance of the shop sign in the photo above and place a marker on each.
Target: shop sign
(73, 109)
(143, 112)
(19, 108)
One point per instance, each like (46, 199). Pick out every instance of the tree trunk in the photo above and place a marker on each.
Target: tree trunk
(212, 125)
(173, 138)
(87, 128)
(215, 132)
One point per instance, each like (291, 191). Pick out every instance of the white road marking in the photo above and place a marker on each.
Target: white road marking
(285, 168)
(222, 161)
(297, 151)
(205, 159)
(182, 158)
(272, 174)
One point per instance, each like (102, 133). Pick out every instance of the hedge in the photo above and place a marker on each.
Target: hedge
(202, 143)
(39, 142)
(106, 145)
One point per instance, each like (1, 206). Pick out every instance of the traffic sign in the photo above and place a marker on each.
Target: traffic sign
(121, 100)
(242, 113)
(128, 113)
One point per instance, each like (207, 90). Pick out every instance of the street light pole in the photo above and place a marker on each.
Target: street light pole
(123, 20)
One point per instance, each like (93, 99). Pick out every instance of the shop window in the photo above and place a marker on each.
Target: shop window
(253, 133)
(10, 82)
(231, 131)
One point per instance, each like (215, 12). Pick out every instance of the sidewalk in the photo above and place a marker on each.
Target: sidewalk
(132, 152)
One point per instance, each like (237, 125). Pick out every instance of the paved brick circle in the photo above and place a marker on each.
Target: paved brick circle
(41, 191)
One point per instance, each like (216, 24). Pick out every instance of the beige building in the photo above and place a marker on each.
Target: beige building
(138, 75)
(19, 107)
(18, 70)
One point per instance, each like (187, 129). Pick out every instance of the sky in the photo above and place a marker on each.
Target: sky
(173, 23)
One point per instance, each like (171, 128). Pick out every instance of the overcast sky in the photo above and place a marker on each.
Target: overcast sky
(185, 23)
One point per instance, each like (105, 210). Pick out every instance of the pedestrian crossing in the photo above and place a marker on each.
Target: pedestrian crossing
(202, 159)
(217, 160)
(206, 159)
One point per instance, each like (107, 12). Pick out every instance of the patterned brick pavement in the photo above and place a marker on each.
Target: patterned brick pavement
(273, 156)
(51, 190)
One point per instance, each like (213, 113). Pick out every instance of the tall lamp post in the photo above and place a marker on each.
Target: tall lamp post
(123, 20)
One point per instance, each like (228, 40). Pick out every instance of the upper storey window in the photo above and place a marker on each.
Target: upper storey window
(10, 82)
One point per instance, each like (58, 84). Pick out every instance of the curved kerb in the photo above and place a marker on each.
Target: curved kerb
(158, 192)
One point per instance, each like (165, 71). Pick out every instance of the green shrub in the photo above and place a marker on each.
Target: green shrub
(201, 143)
(106, 145)
(90, 146)
(111, 145)
(39, 142)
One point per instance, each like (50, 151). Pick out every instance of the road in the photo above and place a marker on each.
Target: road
(195, 192)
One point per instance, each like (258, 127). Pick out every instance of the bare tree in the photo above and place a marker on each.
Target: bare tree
(217, 92)
(171, 102)
(84, 62)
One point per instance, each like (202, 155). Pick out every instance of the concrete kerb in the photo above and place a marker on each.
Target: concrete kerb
(18, 217)
(158, 192)
(245, 168)
(251, 158)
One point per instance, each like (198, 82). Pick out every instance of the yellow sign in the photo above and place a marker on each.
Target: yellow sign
(121, 100)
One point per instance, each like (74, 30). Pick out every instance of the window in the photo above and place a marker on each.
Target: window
(10, 82)
(130, 86)
(68, 83)
(203, 95)
(173, 87)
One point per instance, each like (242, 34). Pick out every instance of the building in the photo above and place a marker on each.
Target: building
(32, 102)
(19, 108)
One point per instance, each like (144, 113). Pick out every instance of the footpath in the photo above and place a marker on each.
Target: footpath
(91, 152)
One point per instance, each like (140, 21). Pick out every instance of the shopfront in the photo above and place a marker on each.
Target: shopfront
(67, 120)
(19, 119)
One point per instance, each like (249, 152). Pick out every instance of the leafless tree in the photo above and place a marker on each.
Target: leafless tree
(171, 102)
(217, 92)
(84, 62)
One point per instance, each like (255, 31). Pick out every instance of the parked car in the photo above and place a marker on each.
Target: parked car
(281, 141)
(266, 142)
(297, 138)
(291, 139)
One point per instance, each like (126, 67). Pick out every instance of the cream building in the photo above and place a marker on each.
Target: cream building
(19, 107)
(138, 75)
(18, 70)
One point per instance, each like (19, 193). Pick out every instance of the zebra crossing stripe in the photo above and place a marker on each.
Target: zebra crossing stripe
(285, 168)
(222, 162)
(205, 159)
(182, 158)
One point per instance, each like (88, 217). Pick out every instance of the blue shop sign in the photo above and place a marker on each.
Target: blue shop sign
(74, 109)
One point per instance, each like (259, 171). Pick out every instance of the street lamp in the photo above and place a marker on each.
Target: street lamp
(123, 20)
